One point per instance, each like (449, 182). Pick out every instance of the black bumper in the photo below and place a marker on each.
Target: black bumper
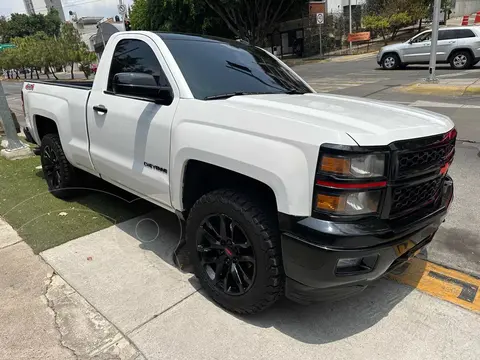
(312, 248)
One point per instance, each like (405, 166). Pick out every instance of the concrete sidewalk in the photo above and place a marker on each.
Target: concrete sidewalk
(451, 87)
(125, 272)
(42, 317)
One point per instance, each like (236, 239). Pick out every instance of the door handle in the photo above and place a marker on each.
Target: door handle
(100, 109)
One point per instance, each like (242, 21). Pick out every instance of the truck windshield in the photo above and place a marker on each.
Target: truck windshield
(220, 69)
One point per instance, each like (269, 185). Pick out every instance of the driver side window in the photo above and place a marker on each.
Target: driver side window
(423, 37)
(135, 56)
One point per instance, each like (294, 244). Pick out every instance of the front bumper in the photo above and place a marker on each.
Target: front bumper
(312, 248)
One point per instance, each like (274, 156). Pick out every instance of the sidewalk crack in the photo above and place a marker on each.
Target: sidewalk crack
(51, 306)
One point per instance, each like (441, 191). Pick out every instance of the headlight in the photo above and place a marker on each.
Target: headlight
(349, 203)
(356, 166)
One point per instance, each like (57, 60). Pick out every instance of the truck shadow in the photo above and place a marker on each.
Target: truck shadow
(159, 231)
(107, 200)
(328, 322)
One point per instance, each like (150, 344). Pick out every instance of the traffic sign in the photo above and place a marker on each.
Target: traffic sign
(122, 9)
(320, 19)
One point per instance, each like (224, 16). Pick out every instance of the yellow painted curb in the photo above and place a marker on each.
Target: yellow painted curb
(440, 282)
(434, 89)
(439, 89)
(347, 58)
(472, 89)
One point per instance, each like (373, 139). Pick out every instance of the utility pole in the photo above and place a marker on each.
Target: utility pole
(350, 20)
(433, 53)
(15, 149)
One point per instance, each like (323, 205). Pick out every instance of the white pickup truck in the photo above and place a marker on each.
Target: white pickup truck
(281, 190)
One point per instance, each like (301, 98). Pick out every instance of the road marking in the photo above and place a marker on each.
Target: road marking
(421, 103)
(432, 104)
(468, 72)
(446, 284)
(342, 82)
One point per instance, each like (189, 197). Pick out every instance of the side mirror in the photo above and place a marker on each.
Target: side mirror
(410, 42)
(142, 85)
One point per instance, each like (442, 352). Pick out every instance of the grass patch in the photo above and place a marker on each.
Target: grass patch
(39, 217)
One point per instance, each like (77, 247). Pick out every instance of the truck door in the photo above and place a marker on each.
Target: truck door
(129, 132)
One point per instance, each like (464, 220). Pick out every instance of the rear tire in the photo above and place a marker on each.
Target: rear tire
(390, 62)
(57, 171)
(461, 60)
(240, 267)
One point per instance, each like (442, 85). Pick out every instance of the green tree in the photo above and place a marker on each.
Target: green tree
(387, 26)
(72, 46)
(139, 17)
(87, 58)
(187, 16)
(22, 25)
(52, 23)
(251, 20)
(378, 24)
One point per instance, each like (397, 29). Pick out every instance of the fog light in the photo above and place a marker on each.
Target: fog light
(344, 263)
(353, 266)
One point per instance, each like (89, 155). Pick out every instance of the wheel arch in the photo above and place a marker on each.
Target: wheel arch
(201, 178)
(456, 51)
(393, 52)
(289, 187)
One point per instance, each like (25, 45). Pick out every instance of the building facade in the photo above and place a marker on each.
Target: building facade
(341, 6)
(42, 7)
(465, 7)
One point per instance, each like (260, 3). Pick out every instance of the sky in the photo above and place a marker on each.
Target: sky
(107, 8)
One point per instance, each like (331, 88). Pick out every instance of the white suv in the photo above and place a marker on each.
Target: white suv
(459, 46)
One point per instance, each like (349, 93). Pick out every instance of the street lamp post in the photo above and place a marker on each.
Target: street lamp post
(433, 53)
(350, 21)
(8, 124)
(14, 148)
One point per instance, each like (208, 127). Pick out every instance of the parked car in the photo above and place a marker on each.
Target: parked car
(280, 190)
(457, 46)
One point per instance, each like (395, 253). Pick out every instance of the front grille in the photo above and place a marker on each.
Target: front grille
(423, 159)
(407, 198)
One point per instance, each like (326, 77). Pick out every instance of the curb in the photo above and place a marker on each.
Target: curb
(339, 58)
(438, 89)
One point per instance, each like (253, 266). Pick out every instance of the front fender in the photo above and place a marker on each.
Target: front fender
(281, 166)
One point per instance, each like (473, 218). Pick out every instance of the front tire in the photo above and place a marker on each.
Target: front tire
(234, 246)
(390, 62)
(58, 172)
(461, 60)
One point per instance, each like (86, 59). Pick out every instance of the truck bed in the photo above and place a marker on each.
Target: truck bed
(86, 85)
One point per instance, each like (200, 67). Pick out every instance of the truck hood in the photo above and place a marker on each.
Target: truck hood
(368, 122)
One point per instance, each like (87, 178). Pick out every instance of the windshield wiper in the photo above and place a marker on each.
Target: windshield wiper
(294, 92)
(229, 95)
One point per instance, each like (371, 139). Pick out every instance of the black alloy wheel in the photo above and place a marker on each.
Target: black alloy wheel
(233, 243)
(226, 254)
(51, 167)
(58, 172)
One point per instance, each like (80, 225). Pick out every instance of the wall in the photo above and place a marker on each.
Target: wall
(337, 5)
(42, 6)
(466, 7)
